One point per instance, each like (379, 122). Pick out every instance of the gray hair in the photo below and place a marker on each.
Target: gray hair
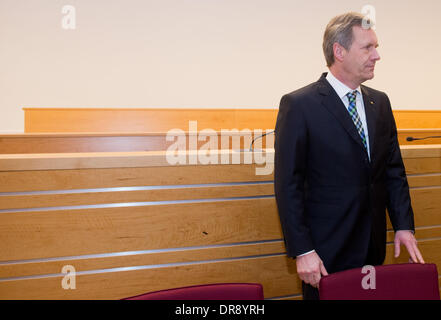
(339, 30)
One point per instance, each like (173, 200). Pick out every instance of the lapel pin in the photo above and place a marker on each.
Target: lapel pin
(371, 102)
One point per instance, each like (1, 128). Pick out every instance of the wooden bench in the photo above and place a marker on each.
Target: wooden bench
(54, 130)
(129, 223)
(126, 142)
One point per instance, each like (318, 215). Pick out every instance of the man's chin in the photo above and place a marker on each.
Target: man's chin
(368, 76)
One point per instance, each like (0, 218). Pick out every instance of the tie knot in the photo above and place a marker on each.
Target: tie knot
(352, 95)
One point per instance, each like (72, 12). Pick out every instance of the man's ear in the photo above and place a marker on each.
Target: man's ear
(339, 52)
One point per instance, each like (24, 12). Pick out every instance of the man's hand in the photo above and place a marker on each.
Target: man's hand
(310, 268)
(407, 238)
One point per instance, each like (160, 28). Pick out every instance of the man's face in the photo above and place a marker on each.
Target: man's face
(359, 61)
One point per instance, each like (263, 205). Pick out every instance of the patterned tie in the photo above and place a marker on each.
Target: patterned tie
(352, 96)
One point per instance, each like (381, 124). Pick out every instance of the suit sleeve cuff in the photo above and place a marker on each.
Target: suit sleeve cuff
(304, 254)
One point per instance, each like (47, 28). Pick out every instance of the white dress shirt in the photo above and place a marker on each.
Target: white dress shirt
(342, 90)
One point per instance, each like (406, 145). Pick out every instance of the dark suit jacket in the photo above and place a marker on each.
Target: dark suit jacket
(330, 197)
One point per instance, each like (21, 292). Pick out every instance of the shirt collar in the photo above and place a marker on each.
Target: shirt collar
(339, 86)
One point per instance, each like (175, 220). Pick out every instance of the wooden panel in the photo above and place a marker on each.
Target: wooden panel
(426, 201)
(417, 118)
(127, 283)
(47, 144)
(424, 180)
(89, 160)
(144, 120)
(14, 181)
(418, 159)
(204, 242)
(75, 199)
(126, 142)
(20, 269)
(423, 232)
(403, 134)
(421, 151)
(121, 142)
(162, 120)
(278, 279)
(422, 165)
(29, 235)
(426, 204)
(430, 250)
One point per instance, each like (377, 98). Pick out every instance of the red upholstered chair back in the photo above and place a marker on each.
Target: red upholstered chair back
(409, 281)
(218, 291)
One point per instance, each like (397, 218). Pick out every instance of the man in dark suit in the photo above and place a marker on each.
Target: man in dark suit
(338, 164)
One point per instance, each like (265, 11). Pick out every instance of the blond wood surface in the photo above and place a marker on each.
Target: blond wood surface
(412, 156)
(20, 269)
(144, 120)
(132, 177)
(277, 274)
(421, 151)
(430, 250)
(143, 259)
(421, 232)
(91, 198)
(422, 165)
(424, 180)
(52, 161)
(192, 255)
(417, 118)
(29, 235)
(419, 133)
(425, 201)
(67, 144)
(128, 142)
(203, 192)
(14, 181)
(427, 205)
(208, 231)
(161, 120)
(123, 142)
(124, 283)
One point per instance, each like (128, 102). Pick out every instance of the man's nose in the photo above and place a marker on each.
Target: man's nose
(376, 56)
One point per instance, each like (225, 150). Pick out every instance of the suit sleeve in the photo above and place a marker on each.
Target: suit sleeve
(399, 203)
(289, 176)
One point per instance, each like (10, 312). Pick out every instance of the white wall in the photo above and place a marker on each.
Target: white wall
(199, 53)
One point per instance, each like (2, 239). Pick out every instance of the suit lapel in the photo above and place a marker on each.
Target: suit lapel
(335, 106)
(371, 117)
